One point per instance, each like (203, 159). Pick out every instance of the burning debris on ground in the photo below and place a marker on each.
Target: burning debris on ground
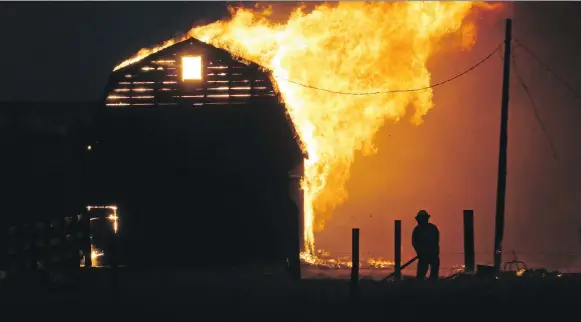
(326, 260)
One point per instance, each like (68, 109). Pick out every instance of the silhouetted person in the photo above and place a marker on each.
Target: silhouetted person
(426, 243)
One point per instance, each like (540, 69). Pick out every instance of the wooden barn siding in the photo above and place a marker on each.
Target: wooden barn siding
(198, 178)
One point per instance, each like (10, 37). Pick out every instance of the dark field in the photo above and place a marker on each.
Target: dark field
(219, 296)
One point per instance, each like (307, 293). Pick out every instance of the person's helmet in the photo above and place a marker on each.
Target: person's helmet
(422, 214)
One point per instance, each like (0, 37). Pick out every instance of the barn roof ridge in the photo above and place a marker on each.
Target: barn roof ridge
(182, 42)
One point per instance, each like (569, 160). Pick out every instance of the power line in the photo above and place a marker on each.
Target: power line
(549, 69)
(397, 90)
(535, 110)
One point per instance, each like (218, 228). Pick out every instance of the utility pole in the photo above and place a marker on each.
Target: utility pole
(502, 157)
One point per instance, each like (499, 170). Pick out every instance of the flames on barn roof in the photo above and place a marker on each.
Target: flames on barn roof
(153, 78)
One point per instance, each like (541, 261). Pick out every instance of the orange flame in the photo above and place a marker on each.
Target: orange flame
(146, 52)
(346, 47)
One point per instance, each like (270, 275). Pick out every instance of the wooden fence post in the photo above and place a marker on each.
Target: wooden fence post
(397, 250)
(469, 258)
(354, 261)
(86, 228)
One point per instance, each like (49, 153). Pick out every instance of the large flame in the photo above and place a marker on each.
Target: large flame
(345, 47)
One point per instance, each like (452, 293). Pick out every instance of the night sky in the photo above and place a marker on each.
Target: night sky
(65, 52)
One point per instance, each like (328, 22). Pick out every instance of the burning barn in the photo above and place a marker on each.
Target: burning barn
(197, 151)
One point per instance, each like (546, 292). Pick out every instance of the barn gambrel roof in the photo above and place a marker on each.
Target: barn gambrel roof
(155, 82)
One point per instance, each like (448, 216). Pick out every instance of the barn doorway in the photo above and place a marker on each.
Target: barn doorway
(103, 228)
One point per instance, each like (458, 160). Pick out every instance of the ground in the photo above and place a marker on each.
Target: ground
(183, 296)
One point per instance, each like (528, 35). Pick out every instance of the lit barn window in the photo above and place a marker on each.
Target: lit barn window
(191, 68)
